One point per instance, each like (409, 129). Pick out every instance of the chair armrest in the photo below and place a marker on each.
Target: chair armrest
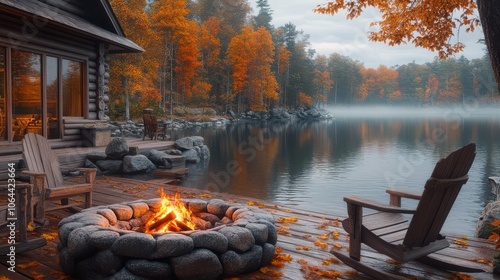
(89, 174)
(33, 173)
(396, 195)
(366, 203)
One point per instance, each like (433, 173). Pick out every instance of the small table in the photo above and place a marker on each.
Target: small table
(24, 209)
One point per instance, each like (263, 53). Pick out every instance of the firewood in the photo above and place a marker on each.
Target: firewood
(169, 217)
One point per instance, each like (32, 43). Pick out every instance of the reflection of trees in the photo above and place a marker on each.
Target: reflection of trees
(26, 82)
(72, 88)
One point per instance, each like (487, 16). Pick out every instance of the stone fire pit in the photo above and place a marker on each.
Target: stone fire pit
(101, 242)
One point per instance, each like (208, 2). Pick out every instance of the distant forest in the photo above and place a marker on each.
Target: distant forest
(217, 53)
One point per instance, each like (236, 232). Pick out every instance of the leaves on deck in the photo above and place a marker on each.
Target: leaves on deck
(284, 230)
(461, 242)
(460, 276)
(303, 248)
(29, 265)
(31, 226)
(321, 245)
(273, 273)
(256, 203)
(50, 236)
(314, 272)
(205, 195)
(287, 220)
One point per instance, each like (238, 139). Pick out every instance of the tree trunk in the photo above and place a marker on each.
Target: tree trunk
(489, 13)
(127, 101)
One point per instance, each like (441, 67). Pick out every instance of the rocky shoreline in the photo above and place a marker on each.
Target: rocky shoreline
(135, 129)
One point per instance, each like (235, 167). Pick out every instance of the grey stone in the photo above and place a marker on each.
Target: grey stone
(139, 208)
(197, 140)
(117, 148)
(150, 269)
(183, 144)
(103, 239)
(197, 206)
(78, 242)
(125, 274)
(272, 234)
(89, 164)
(211, 240)
(267, 254)
(133, 151)
(204, 152)
(136, 164)
(490, 213)
(66, 229)
(108, 214)
(67, 261)
(259, 232)
(122, 212)
(94, 219)
(110, 166)
(191, 156)
(239, 212)
(205, 261)
(235, 264)
(208, 217)
(94, 156)
(135, 245)
(106, 263)
(217, 206)
(174, 152)
(154, 204)
(156, 156)
(73, 218)
(172, 245)
(239, 239)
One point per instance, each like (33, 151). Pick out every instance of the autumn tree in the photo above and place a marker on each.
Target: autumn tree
(323, 85)
(251, 54)
(431, 88)
(428, 24)
(177, 47)
(132, 75)
(346, 75)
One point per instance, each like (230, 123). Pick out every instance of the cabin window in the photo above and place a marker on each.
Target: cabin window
(42, 89)
(26, 94)
(3, 92)
(52, 89)
(72, 88)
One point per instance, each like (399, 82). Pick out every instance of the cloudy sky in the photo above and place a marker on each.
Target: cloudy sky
(336, 34)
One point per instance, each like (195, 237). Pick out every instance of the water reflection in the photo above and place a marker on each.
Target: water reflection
(314, 164)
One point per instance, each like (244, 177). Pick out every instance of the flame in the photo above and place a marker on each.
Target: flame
(173, 216)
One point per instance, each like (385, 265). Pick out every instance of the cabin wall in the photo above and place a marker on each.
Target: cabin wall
(32, 34)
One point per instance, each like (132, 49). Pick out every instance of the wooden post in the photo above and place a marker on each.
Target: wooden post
(355, 213)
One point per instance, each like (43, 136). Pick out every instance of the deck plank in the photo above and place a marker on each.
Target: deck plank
(308, 239)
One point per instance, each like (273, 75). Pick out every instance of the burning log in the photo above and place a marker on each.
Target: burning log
(169, 217)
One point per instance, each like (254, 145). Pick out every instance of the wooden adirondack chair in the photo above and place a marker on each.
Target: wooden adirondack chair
(390, 233)
(45, 175)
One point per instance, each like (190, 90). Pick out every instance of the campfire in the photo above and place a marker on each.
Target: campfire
(164, 238)
(172, 217)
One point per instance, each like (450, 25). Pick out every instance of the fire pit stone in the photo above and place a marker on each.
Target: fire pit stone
(106, 241)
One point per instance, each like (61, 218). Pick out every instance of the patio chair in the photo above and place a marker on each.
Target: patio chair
(46, 177)
(151, 127)
(391, 233)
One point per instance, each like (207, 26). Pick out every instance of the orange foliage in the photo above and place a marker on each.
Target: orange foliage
(251, 54)
(305, 100)
(283, 59)
(428, 24)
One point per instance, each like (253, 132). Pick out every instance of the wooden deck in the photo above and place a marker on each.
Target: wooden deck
(305, 239)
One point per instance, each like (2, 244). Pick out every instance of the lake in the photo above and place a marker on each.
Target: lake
(361, 151)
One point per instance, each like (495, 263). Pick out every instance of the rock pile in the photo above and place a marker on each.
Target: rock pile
(98, 242)
(119, 158)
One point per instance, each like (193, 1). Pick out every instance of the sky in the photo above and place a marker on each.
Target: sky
(336, 34)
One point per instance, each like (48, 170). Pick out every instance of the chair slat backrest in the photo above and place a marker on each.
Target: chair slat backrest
(39, 157)
(439, 195)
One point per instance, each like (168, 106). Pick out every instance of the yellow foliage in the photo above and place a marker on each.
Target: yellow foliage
(323, 225)
(325, 236)
(460, 242)
(256, 203)
(305, 100)
(31, 226)
(303, 248)
(283, 230)
(287, 220)
(335, 234)
(31, 264)
(321, 245)
(337, 246)
(50, 236)
(460, 276)
(302, 261)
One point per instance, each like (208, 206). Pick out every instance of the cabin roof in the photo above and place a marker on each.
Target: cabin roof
(94, 19)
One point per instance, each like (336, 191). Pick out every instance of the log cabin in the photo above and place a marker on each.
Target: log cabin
(54, 67)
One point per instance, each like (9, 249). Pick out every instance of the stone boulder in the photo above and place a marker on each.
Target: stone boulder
(117, 148)
(191, 156)
(110, 166)
(184, 144)
(490, 213)
(138, 163)
(156, 156)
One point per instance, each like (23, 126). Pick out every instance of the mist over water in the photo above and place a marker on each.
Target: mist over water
(361, 151)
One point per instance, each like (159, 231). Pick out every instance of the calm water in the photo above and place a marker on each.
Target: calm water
(362, 151)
